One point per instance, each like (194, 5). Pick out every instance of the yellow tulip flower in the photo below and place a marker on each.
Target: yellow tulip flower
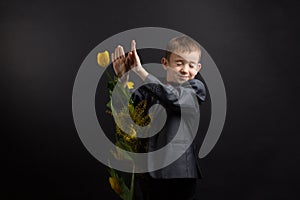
(103, 59)
(115, 185)
(130, 85)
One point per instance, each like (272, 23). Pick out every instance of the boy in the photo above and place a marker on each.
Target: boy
(181, 62)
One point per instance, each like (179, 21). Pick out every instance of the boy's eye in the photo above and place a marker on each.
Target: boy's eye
(179, 63)
(193, 66)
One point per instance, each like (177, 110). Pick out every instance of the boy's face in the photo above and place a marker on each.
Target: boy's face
(182, 67)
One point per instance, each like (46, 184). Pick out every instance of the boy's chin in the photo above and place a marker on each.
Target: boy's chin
(179, 80)
(182, 80)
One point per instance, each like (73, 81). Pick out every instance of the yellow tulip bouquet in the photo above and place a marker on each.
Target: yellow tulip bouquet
(125, 140)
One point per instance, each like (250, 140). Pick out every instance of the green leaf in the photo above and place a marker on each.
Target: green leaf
(131, 192)
(124, 146)
(125, 190)
(109, 104)
(112, 172)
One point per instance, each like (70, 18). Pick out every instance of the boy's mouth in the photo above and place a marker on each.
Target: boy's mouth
(183, 77)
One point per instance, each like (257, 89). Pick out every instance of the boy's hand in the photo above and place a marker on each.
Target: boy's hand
(122, 64)
(133, 59)
(119, 61)
(135, 62)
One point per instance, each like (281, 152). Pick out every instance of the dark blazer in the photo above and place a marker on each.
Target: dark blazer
(174, 99)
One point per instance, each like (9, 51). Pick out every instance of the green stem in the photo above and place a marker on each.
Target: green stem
(108, 75)
(132, 183)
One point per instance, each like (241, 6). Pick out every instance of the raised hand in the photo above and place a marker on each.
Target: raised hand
(135, 62)
(123, 64)
(119, 61)
(133, 59)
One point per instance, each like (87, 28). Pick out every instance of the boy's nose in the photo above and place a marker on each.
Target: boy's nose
(184, 69)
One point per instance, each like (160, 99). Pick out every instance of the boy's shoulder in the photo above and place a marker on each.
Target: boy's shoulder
(198, 86)
(195, 83)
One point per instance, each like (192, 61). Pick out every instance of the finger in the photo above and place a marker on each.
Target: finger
(135, 55)
(117, 52)
(122, 53)
(133, 45)
(112, 57)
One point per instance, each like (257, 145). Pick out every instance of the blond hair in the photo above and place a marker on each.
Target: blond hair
(182, 44)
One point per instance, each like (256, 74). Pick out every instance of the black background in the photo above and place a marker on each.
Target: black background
(254, 44)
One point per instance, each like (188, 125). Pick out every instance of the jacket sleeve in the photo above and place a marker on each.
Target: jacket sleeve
(176, 98)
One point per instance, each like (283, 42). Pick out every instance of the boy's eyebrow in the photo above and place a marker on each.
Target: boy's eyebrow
(183, 60)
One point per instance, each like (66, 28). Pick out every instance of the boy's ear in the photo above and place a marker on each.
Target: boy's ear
(164, 62)
(199, 67)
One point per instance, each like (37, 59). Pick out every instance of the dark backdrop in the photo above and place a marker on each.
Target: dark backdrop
(254, 44)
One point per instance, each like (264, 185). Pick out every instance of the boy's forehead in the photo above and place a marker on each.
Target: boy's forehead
(192, 56)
